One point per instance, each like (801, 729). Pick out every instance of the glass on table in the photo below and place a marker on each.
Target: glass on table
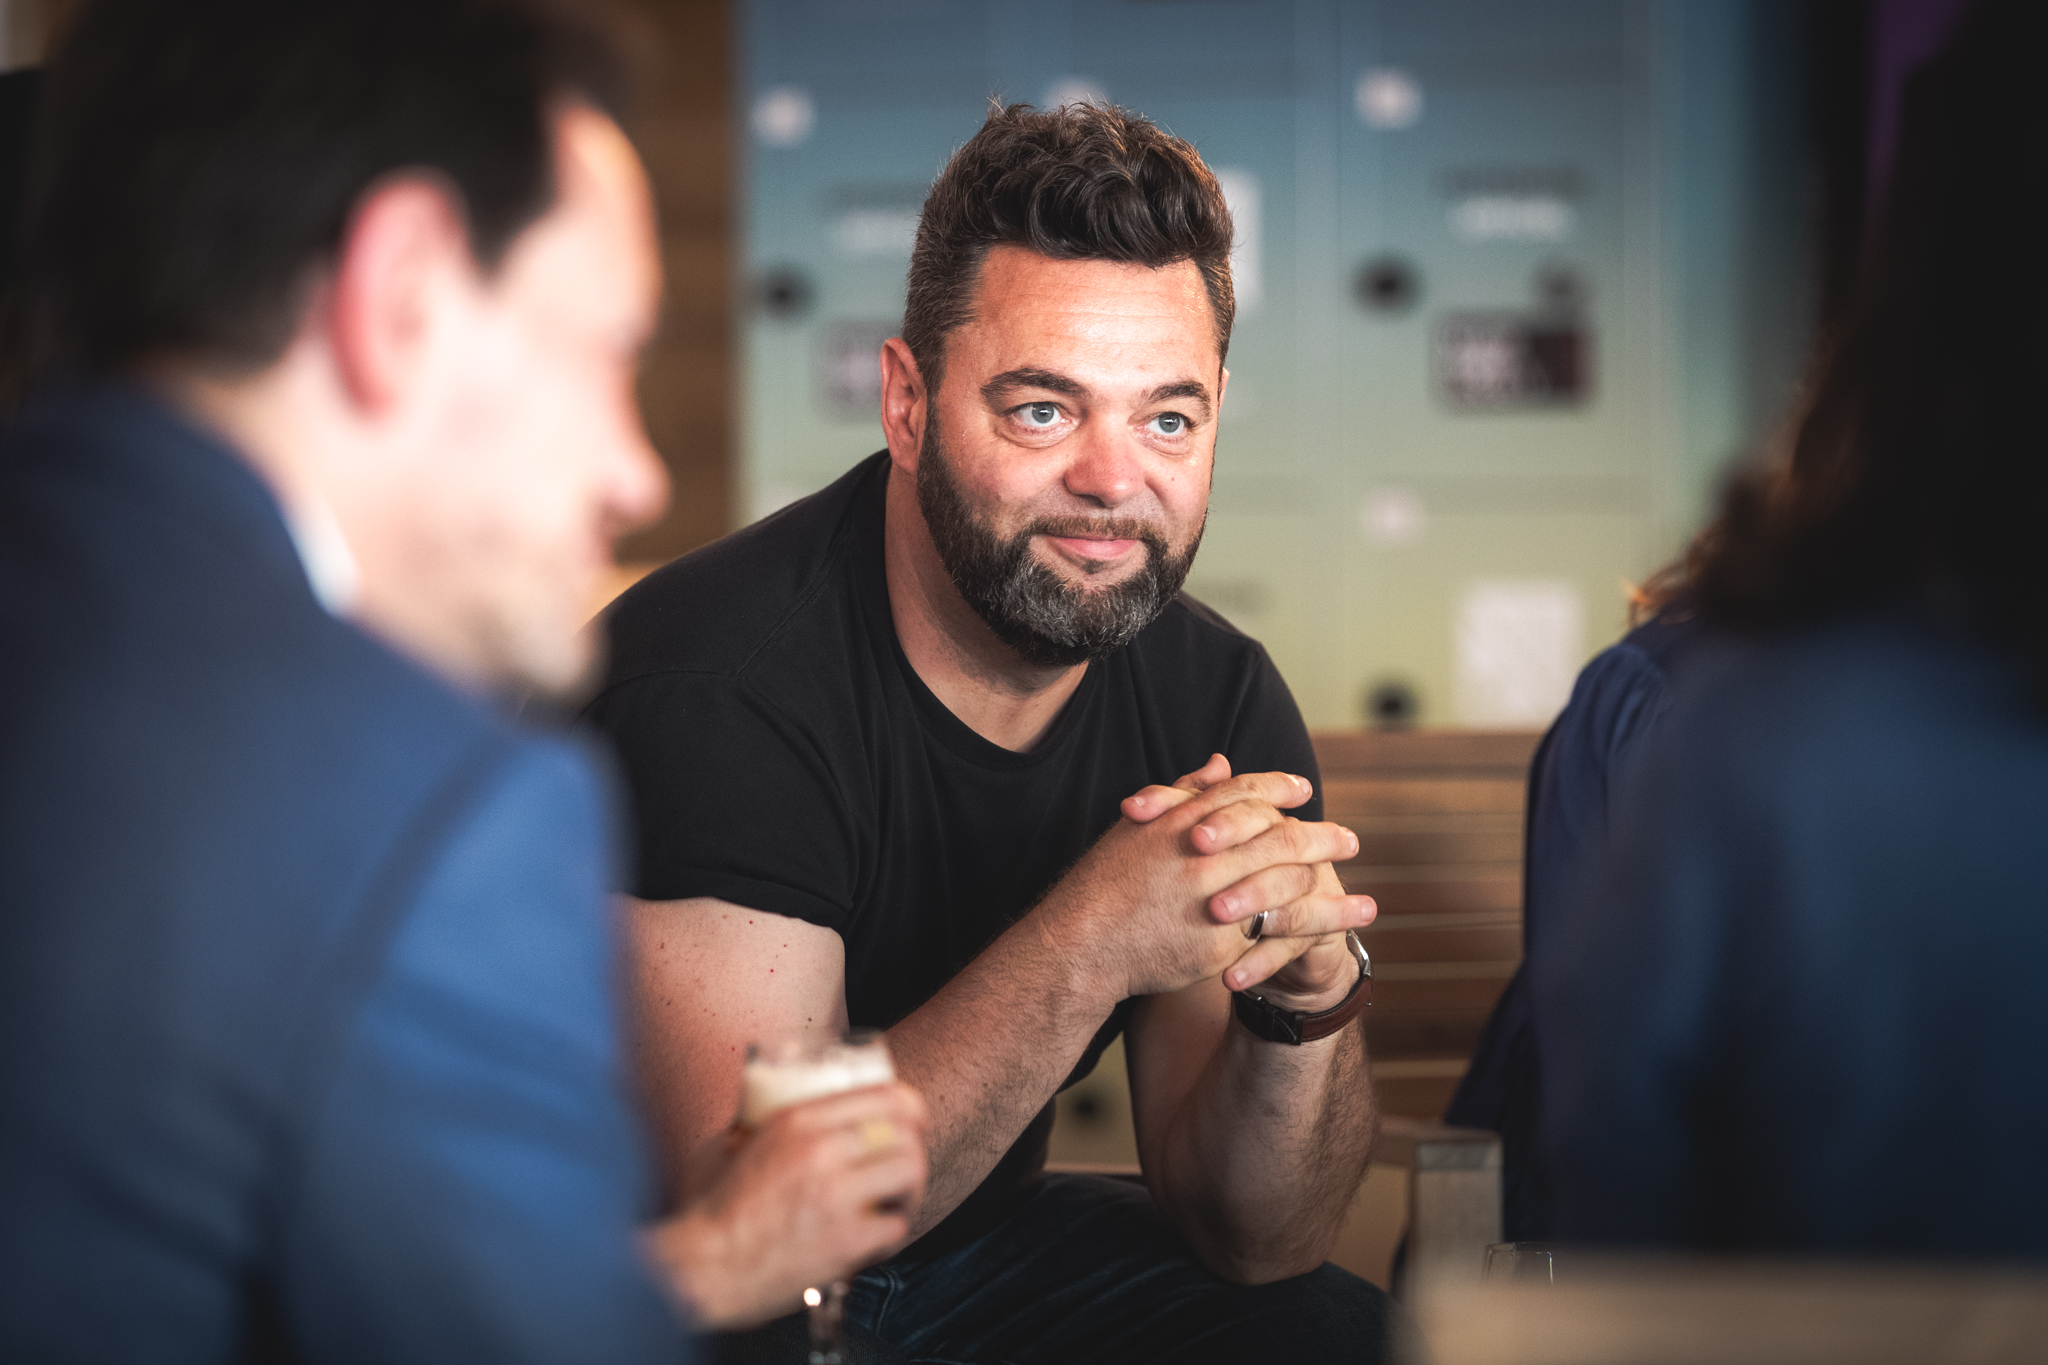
(778, 1075)
(1522, 1262)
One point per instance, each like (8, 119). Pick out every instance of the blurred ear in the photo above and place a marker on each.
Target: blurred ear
(403, 263)
(904, 404)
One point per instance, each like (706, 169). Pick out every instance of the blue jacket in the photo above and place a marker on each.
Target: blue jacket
(1796, 1003)
(308, 1040)
(1614, 707)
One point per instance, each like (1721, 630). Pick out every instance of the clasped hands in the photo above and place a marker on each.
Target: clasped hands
(1165, 894)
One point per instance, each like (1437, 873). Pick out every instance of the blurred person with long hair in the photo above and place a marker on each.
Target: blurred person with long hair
(1793, 1002)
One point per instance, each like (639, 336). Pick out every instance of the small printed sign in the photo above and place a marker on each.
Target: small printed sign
(848, 369)
(1493, 361)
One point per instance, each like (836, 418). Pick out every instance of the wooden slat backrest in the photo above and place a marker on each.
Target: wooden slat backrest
(1438, 814)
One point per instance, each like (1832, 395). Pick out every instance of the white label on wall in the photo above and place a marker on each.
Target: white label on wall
(1388, 98)
(1518, 646)
(784, 116)
(1241, 191)
(875, 232)
(1513, 218)
(1073, 90)
(1392, 517)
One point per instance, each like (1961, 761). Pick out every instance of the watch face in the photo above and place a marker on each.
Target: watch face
(1265, 1019)
(1268, 1021)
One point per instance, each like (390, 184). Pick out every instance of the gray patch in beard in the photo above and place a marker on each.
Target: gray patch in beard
(1028, 605)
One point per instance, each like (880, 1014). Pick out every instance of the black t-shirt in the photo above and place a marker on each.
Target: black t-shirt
(783, 755)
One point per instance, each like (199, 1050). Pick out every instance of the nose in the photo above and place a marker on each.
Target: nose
(636, 488)
(1105, 470)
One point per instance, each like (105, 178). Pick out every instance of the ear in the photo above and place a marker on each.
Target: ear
(402, 261)
(905, 404)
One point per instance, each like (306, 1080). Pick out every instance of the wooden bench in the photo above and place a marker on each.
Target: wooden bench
(1438, 814)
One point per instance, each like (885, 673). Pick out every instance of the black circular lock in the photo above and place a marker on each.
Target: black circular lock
(1387, 284)
(1391, 705)
(784, 294)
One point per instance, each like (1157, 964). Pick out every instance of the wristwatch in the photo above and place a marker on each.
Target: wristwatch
(1275, 1025)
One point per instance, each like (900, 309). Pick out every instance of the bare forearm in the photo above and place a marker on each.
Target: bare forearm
(1267, 1151)
(991, 1048)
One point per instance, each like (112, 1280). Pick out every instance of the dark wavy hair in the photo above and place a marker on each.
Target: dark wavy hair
(1921, 461)
(1084, 182)
(198, 160)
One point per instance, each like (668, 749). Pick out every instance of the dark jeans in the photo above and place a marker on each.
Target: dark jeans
(1087, 1270)
(787, 1341)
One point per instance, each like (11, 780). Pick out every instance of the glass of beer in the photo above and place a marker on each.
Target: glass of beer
(1521, 1261)
(781, 1074)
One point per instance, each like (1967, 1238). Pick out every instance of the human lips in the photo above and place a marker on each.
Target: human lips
(1101, 550)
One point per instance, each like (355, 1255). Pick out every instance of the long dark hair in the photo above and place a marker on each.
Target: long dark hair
(1921, 458)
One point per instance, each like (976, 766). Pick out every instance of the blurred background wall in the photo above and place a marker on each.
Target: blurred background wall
(1517, 279)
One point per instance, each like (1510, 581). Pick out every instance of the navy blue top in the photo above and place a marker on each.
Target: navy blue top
(1614, 707)
(307, 1031)
(1799, 1006)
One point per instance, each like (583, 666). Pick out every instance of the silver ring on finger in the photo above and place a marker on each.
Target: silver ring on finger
(1255, 927)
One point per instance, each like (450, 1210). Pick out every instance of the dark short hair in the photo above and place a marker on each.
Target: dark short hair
(1084, 182)
(1921, 462)
(198, 160)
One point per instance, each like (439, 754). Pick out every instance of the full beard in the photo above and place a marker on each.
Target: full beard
(1034, 611)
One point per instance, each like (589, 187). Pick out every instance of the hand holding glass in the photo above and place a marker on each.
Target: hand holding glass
(789, 1073)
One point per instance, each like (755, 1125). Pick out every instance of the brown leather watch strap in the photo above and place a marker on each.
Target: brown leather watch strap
(1268, 1021)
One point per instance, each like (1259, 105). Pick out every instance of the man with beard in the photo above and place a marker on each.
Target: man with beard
(929, 694)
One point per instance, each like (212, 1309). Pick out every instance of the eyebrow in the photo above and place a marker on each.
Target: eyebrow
(1185, 388)
(1010, 380)
(1000, 387)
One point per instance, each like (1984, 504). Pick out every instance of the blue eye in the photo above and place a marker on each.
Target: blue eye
(1040, 414)
(1170, 423)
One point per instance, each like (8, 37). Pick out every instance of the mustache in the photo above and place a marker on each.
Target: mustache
(1103, 528)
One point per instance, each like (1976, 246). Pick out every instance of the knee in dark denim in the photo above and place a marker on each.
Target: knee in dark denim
(1088, 1270)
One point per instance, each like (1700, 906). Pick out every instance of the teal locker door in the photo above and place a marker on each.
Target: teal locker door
(1490, 387)
(851, 111)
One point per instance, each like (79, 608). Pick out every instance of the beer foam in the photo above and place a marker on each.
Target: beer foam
(772, 1086)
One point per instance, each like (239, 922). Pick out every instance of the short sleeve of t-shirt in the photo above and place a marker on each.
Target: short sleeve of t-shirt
(1270, 736)
(735, 800)
(1265, 729)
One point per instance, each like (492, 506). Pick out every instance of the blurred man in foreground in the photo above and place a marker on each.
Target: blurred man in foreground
(307, 1029)
(938, 684)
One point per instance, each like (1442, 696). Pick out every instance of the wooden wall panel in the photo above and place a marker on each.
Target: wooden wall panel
(685, 130)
